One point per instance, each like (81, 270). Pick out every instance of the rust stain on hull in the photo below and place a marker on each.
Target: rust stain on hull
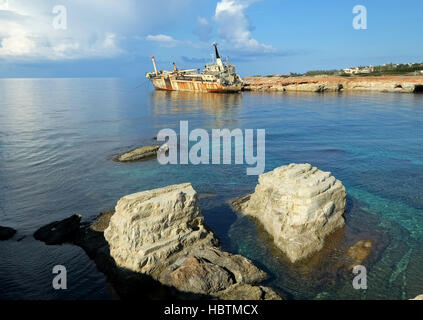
(196, 85)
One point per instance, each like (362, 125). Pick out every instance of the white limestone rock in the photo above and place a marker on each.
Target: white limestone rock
(151, 229)
(299, 206)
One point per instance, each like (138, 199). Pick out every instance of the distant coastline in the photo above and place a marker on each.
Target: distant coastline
(334, 83)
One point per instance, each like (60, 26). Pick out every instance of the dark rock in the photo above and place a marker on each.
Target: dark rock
(238, 203)
(210, 270)
(197, 276)
(59, 232)
(102, 221)
(242, 269)
(6, 233)
(91, 237)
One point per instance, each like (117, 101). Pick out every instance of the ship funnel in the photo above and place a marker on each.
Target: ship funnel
(217, 51)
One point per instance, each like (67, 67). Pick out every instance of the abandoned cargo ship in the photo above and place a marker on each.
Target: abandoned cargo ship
(216, 77)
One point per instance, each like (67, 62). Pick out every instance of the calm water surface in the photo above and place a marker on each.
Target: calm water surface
(58, 138)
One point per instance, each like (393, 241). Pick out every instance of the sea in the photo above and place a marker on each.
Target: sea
(58, 139)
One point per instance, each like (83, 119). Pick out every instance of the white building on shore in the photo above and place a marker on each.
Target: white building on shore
(359, 70)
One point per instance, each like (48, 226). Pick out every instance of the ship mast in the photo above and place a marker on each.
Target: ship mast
(154, 64)
(218, 59)
(217, 51)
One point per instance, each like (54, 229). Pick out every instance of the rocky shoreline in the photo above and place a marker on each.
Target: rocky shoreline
(155, 245)
(402, 84)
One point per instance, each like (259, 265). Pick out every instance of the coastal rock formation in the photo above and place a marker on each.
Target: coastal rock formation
(59, 232)
(299, 206)
(151, 228)
(6, 233)
(161, 233)
(139, 154)
(405, 84)
(282, 84)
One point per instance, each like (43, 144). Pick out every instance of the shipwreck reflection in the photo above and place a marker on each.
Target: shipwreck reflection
(221, 105)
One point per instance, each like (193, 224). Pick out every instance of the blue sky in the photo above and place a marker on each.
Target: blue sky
(115, 38)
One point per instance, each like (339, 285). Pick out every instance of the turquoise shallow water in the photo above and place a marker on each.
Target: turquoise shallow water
(58, 138)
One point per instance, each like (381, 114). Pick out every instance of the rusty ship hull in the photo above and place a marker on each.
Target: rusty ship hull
(170, 84)
(216, 77)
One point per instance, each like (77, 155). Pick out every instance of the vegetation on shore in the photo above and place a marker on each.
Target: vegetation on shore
(387, 69)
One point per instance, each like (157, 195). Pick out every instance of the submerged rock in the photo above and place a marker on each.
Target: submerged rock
(360, 251)
(59, 232)
(298, 206)
(6, 233)
(161, 233)
(139, 154)
(248, 292)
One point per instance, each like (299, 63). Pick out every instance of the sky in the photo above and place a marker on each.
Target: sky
(110, 38)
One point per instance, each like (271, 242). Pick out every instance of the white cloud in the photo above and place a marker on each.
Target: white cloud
(28, 33)
(95, 28)
(234, 28)
(109, 28)
(17, 44)
(164, 40)
(167, 41)
(233, 31)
